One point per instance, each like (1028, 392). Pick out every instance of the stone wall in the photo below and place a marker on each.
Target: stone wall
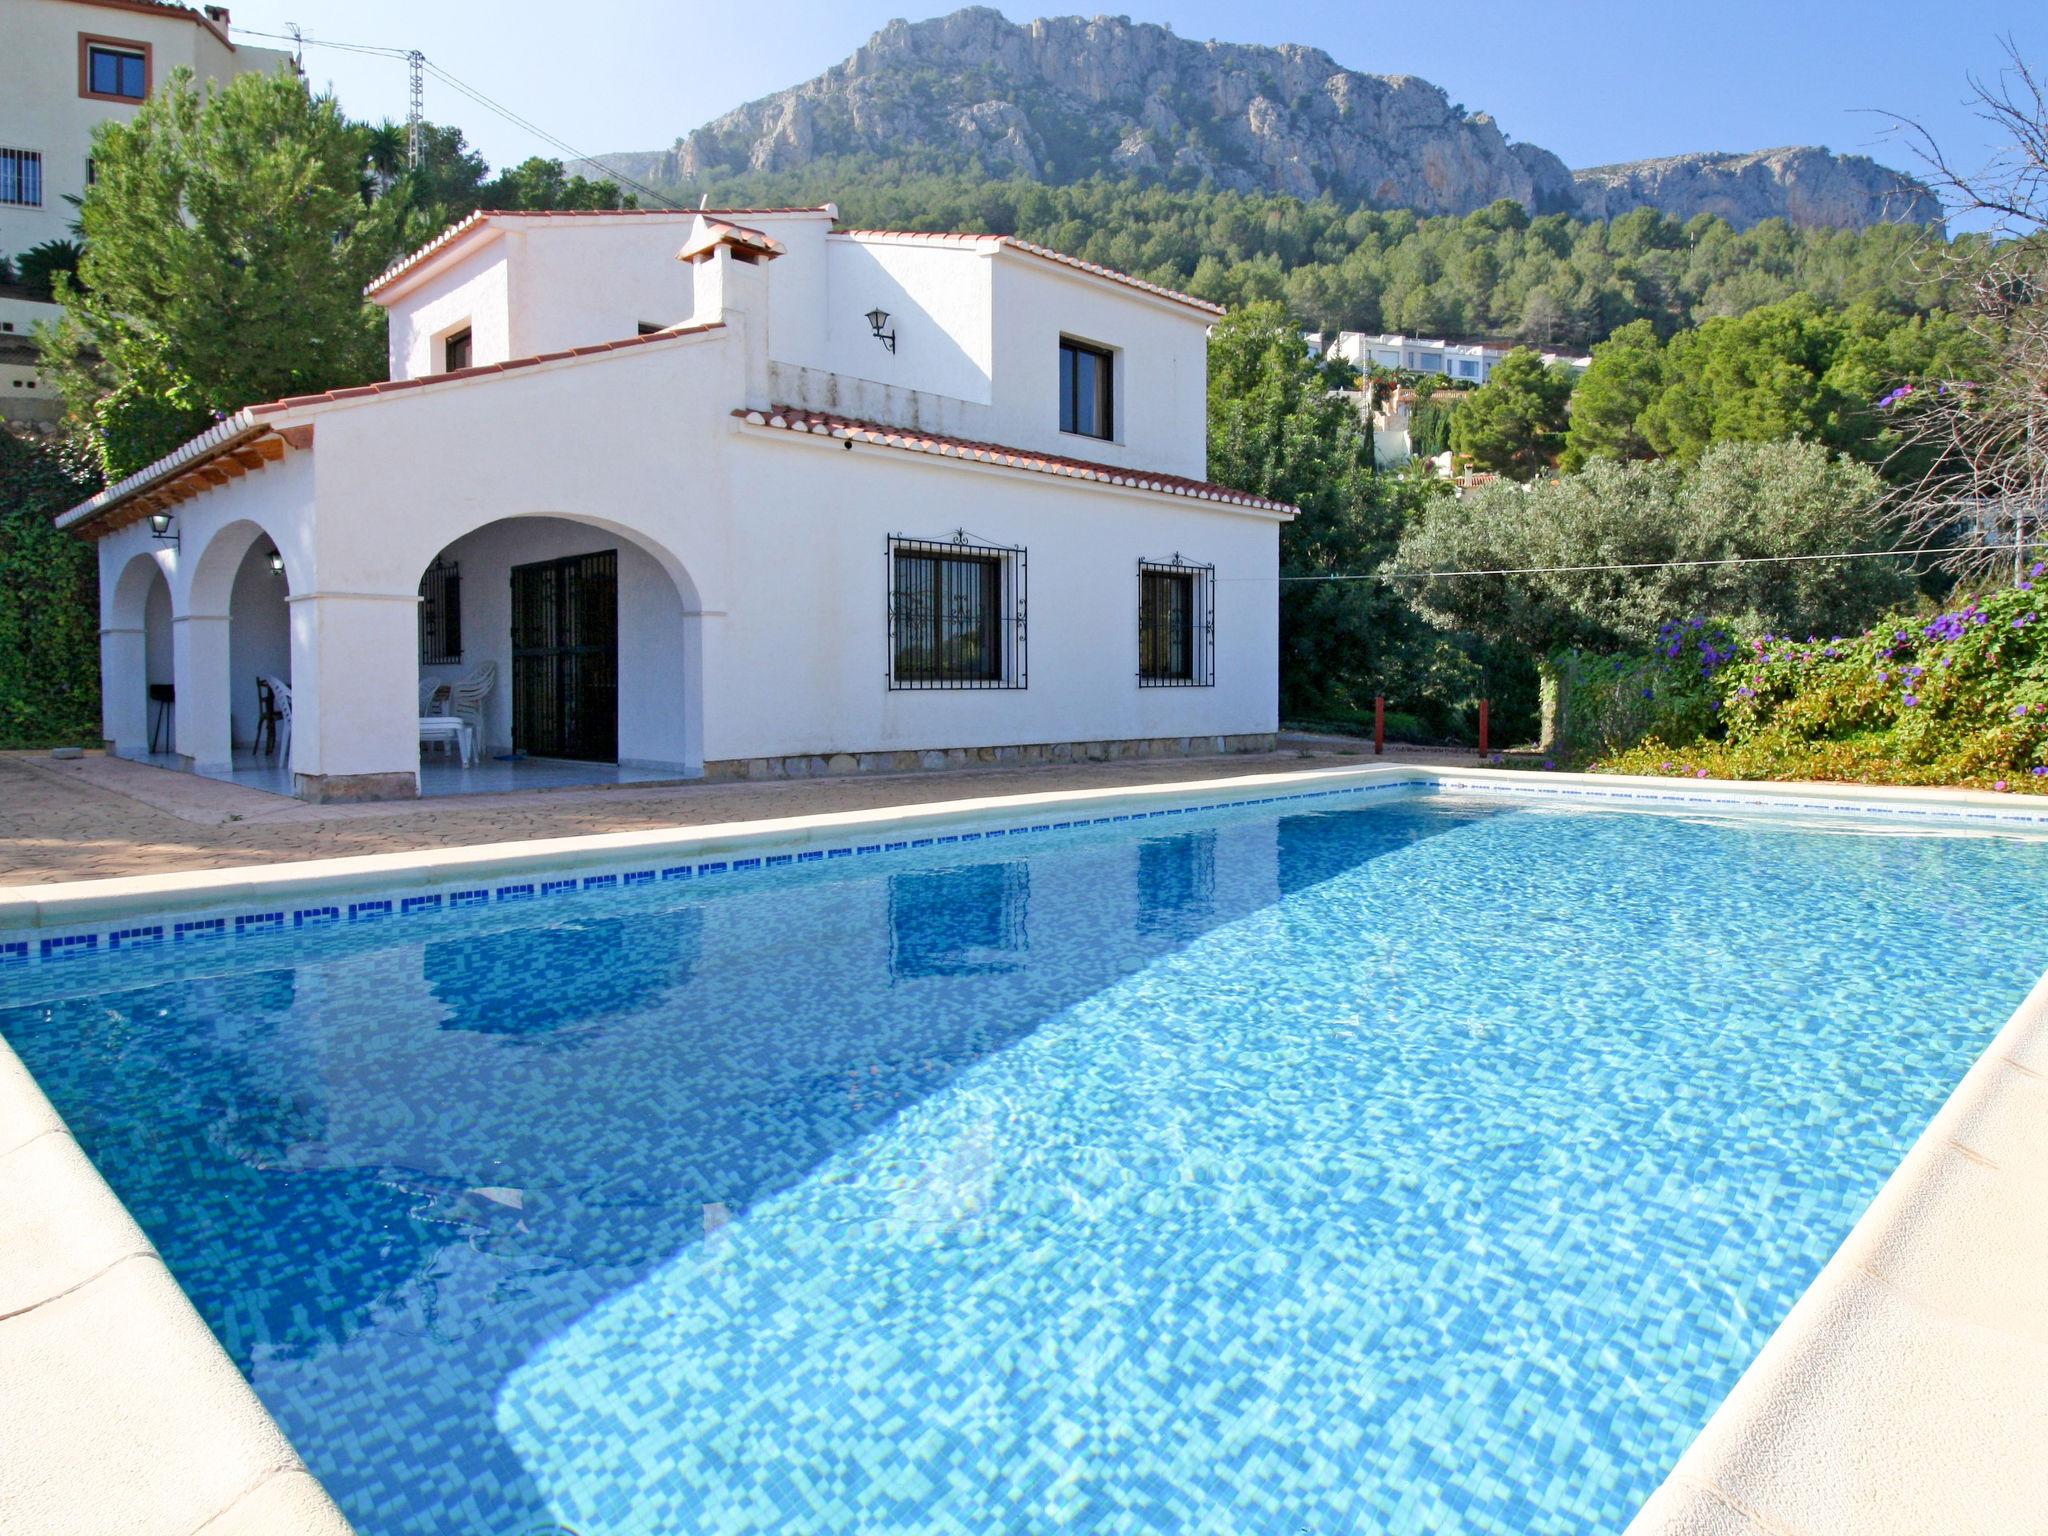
(842, 764)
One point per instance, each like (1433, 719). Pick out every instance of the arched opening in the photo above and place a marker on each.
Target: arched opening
(139, 704)
(565, 649)
(235, 644)
(259, 664)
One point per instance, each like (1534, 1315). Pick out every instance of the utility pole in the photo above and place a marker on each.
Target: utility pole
(415, 61)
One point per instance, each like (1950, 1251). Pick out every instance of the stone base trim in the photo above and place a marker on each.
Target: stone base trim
(342, 788)
(938, 759)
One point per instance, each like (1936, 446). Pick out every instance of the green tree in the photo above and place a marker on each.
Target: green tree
(1514, 423)
(227, 243)
(49, 602)
(1741, 501)
(1275, 430)
(1626, 376)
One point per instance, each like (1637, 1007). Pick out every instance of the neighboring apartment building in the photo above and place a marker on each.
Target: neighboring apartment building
(726, 492)
(1466, 362)
(66, 66)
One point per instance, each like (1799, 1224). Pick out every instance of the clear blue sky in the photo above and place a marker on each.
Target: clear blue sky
(1595, 81)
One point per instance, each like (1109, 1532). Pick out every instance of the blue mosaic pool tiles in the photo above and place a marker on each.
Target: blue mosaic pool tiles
(599, 882)
(410, 905)
(639, 877)
(259, 922)
(70, 945)
(520, 892)
(472, 898)
(369, 911)
(314, 917)
(149, 934)
(200, 928)
(558, 887)
(14, 952)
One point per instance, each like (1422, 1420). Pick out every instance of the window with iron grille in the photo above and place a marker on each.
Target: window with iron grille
(441, 615)
(1176, 624)
(956, 614)
(21, 177)
(1087, 389)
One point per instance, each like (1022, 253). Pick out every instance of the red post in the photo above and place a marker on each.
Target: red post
(1379, 723)
(1482, 727)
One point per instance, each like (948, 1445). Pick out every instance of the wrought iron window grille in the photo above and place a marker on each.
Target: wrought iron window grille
(1176, 624)
(957, 614)
(441, 614)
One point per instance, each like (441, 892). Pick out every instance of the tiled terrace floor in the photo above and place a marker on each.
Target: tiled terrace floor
(96, 817)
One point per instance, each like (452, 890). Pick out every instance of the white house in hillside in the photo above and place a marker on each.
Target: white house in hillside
(731, 492)
(1466, 362)
(67, 66)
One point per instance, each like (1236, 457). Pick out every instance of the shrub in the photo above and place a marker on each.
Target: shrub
(1960, 698)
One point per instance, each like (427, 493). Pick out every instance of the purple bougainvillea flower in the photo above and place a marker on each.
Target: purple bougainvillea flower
(1884, 677)
(1549, 763)
(2019, 712)
(1700, 774)
(1911, 702)
(2000, 785)
(2039, 567)
(2040, 772)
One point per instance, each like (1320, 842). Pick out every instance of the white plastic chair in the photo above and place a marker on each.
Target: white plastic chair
(466, 697)
(433, 696)
(282, 692)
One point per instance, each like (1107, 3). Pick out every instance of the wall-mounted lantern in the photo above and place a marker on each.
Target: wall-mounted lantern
(277, 561)
(877, 318)
(160, 527)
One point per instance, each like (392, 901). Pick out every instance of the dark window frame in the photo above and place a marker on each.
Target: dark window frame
(1102, 425)
(122, 50)
(441, 614)
(26, 175)
(980, 649)
(1177, 644)
(463, 340)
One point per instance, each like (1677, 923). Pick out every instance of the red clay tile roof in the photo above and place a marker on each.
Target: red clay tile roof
(425, 381)
(1011, 242)
(789, 419)
(468, 226)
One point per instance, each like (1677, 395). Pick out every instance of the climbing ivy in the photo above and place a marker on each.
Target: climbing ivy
(49, 602)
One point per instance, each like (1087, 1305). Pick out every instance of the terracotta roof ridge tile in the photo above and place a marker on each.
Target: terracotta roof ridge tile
(796, 419)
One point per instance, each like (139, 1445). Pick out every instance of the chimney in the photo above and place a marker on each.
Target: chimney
(217, 13)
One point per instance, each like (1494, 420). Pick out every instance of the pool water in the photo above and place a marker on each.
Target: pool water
(1428, 1166)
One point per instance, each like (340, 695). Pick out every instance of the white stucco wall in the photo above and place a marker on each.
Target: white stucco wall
(473, 292)
(1161, 374)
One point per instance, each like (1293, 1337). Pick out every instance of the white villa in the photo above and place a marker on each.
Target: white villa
(1466, 362)
(727, 492)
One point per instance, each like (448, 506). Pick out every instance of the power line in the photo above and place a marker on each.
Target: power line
(416, 61)
(1643, 565)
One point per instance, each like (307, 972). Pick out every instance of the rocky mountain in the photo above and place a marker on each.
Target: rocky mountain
(1802, 185)
(1064, 98)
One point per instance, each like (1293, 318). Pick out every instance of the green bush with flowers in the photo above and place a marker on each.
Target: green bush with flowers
(1959, 698)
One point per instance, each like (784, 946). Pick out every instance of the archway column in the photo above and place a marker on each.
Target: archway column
(124, 690)
(355, 710)
(199, 669)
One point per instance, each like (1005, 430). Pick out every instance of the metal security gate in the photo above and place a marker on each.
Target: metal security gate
(565, 657)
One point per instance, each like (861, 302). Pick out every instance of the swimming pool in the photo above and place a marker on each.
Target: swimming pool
(1434, 1164)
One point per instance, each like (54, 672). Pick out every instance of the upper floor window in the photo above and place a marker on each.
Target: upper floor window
(455, 351)
(1176, 625)
(21, 178)
(956, 615)
(112, 69)
(1087, 389)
